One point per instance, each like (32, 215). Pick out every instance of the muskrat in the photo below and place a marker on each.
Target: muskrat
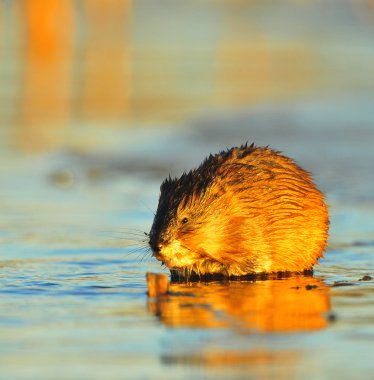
(244, 211)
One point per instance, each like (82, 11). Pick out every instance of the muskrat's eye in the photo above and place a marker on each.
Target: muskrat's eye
(184, 220)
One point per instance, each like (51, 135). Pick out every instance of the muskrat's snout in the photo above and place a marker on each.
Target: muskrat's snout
(157, 245)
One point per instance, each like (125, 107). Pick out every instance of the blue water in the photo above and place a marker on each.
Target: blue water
(73, 291)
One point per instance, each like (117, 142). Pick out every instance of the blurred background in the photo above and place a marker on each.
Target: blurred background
(100, 100)
(122, 93)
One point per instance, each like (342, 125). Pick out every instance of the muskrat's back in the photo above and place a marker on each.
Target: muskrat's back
(244, 211)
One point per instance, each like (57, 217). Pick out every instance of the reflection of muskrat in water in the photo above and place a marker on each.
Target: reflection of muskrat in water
(244, 211)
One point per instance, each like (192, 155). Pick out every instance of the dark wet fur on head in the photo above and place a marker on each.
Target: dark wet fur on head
(178, 191)
(197, 181)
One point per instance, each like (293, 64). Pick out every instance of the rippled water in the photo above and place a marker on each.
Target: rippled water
(81, 162)
(73, 292)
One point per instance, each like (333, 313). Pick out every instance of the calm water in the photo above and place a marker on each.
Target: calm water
(93, 118)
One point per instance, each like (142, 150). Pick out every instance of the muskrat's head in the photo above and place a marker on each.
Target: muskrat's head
(188, 227)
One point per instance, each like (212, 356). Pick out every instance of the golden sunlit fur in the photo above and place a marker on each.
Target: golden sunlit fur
(244, 211)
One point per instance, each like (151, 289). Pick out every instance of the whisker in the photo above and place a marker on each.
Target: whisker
(144, 253)
(130, 243)
(126, 231)
(147, 255)
(134, 250)
(147, 207)
(129, 233)
(128, 239)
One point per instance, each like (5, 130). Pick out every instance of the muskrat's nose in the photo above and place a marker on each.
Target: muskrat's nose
(157, 246)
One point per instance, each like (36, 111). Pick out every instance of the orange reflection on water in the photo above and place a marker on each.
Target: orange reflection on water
(47, 70)
(100, 62)
(284, 305)
(256, 363)
(254, 69)
(63, 81)
(105, 61)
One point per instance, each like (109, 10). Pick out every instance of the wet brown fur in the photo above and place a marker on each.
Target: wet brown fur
(250, 210)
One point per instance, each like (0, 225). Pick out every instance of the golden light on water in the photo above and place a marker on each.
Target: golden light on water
(290, 305)
(93, 63)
